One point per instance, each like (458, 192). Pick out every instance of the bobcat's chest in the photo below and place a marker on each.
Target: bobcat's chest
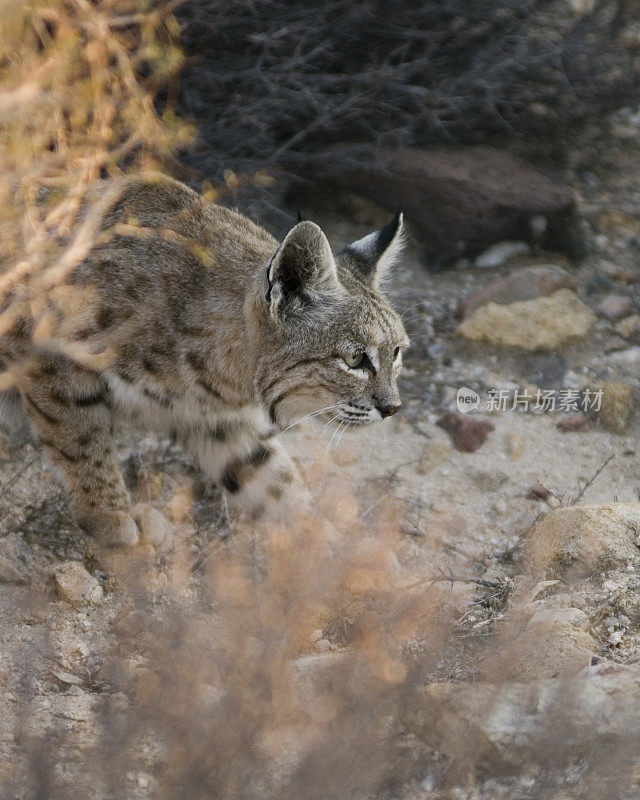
(153, 407)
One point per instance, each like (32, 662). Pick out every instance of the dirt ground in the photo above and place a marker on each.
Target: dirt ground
(461, 517)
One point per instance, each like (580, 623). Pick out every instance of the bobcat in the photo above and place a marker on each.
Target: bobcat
(222, 337)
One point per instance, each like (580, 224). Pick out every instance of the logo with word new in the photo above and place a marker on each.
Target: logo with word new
(467, 400)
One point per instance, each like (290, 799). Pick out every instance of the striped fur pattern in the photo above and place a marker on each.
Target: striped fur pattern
(222, 337)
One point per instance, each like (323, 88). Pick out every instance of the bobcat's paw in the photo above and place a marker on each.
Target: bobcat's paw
(154, 528)
(114, 530)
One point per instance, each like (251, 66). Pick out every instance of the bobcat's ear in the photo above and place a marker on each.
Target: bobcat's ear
(372, 256)
(301, 270)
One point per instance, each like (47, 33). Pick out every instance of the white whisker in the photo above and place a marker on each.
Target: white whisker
(328, 422)
(340, 436)
(415, 305)
(334, 434)
(328, 450)
(306, 416)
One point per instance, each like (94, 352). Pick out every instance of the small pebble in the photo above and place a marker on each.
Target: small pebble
(616, 405)
(515, 445)
(538, 491)
(500, 253)
(468, 434)
(574, 422)
(75, 585)
(615, 638)
(500, 506)
(614, 344)
(628, 326)
(615, 306)
(155, 528)
(629, 357)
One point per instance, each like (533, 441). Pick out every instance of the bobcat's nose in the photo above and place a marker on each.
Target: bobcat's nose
(387, 411)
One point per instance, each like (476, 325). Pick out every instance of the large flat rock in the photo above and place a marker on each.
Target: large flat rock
(575, 542)
(464, 200)
(546, 723)
(545, 323)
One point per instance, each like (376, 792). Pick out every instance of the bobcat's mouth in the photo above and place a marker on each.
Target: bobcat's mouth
(354, 414)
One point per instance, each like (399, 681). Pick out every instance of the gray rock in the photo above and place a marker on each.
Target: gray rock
(489, 480)
(614, 344)
(578, 541)
(463, 201)
(499, 254)
(615, 306)
(553, 644)
(630, 357)
(547, 722)
(521, 284)
(546, 370)
(15, 560)
(628, 326)
(154, 528)
(581, 7)
(75, 585)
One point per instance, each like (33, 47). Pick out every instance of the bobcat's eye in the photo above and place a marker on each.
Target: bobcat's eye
(354, 360)
(396, 353)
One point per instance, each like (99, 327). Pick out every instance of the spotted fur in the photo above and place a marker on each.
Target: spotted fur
(222, 337)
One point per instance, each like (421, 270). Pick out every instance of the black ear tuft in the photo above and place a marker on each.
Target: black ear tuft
(371, 256)
(300, 217)
(387, 234)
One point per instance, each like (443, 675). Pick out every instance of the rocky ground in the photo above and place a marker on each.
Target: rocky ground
(521, 525)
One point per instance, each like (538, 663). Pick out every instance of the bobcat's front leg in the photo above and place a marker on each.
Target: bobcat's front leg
(265, 483)
(257, 473)
(69, 409)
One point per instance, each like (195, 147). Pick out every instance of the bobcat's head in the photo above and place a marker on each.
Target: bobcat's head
(330, 341)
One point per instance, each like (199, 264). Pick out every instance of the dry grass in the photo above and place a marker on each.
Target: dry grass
(211, 686)
(77, 87)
